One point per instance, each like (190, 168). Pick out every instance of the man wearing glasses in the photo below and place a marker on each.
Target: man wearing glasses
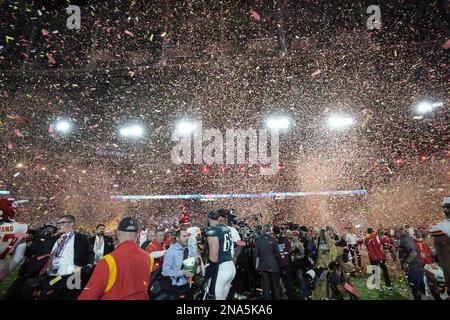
(69, 258)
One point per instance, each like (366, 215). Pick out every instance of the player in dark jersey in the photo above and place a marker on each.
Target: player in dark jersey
(220, 270)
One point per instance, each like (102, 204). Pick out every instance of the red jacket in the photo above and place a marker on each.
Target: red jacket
(132, 275)
(423, 251)
(373, 245)
(155, 246)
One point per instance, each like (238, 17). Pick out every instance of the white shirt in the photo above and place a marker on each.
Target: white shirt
(235, 237)
(66, 263)
(350, 238)
(99, 251)
(143, 237)
(193, 231)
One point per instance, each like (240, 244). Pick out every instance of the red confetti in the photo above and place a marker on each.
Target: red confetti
(316, 73)
(10, 146)
(129, 33)
(50, 58)
(18, 133)
(255, 15)
(19, 119)
(94, 126)
(446, 44)
(5, 93)
(45, 32)
(51, 128)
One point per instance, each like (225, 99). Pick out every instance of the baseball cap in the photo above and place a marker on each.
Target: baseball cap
(128, 224)
(50, 224)
(213, 215)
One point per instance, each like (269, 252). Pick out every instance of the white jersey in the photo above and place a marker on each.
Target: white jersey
(441, 228)
(10, 236)
(235, 237)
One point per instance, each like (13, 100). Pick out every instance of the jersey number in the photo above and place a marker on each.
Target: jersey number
(226, 242)
(11, 239)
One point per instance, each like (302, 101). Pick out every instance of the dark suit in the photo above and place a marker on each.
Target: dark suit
(109, 244)
(83, 257)
(266, 258)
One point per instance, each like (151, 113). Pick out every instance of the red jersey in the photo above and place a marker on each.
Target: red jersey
(155, 246)
(124, 274)
(423, 251)
(373, 245)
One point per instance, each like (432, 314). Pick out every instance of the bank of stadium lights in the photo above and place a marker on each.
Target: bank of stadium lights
(185, 127)
(132, 131)
(63, 126)
(340, 121)
(426, 107)
(278, 123)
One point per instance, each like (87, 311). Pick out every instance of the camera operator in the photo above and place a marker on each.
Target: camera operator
(244, 267)
(228, 218)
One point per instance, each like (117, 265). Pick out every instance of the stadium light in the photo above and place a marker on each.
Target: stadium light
(132, 131)
(340, 121)
(185, 127)
(280, 123)
(63, 126)
(427, 106)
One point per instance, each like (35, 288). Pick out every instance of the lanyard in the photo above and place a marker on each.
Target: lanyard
(61, 246)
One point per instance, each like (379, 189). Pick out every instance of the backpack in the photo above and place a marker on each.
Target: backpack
(323, 289)
(161, 286)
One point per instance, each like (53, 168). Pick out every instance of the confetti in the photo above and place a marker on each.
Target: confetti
(51, 59)
(446, 44)
(19, 120)
(18, 133)
(316, 73)
(255, 15)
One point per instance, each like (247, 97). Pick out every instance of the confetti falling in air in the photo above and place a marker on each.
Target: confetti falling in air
(18, 133)
(255, 15)
(51, 59)
(316, 73)
(446, 44)
(231, 64)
